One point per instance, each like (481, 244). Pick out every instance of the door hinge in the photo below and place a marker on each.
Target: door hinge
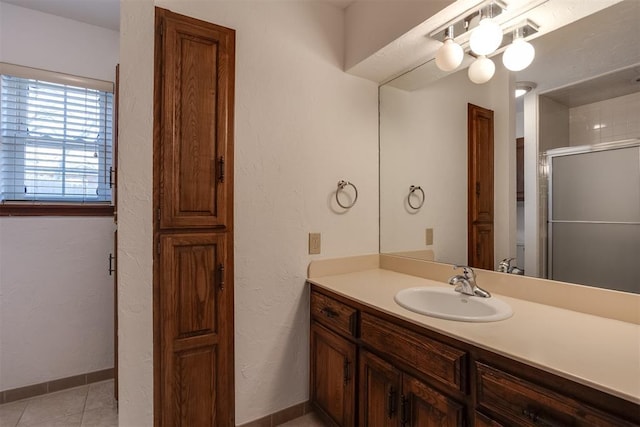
(158, 248)
(221, 276)
(221, 169)
(158, 214)
(477, 189)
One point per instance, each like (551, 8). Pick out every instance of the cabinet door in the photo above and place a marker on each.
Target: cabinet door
(379, 392)
(196, 335)
(332, 375)
(195, 86)
(422, 406)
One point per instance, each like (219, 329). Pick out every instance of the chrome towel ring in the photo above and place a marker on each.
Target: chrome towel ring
(341, 186)
(412, 191)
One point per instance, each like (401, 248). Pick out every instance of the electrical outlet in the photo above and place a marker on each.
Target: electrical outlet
(428, 236)
(314, 243)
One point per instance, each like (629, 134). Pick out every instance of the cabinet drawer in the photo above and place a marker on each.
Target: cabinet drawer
(334, 314)
(433, 358)
(520, 402)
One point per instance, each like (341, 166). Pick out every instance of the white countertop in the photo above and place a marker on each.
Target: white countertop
(595, 351)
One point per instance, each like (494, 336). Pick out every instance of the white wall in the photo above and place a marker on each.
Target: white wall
(553, 124)
(424, 142)
(56, 298)
(371, 25)
(302, 124)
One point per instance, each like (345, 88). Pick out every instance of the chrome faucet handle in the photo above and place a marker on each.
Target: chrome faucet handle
(467, 271)
(468, 282)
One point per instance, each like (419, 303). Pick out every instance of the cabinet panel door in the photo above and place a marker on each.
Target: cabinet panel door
(520, 402)
(196, 131)
(194, 335)
(425, 407)
(332, 375)
(379, 392)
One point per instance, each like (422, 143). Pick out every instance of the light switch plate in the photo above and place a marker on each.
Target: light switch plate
(428, 236)
(314, 243)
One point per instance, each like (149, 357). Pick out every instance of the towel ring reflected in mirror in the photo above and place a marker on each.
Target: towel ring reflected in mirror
(341, 187)
(412, 192)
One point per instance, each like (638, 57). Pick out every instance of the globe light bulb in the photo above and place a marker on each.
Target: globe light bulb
(449, 56)
(518, 55)
(486, 37)
(481, 70)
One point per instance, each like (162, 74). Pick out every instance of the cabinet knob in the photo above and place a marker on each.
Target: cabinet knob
(330, 313)
(540, 420)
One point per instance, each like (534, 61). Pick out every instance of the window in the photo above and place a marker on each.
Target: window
(55, 140)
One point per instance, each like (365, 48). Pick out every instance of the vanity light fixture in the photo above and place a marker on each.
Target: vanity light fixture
(520, 52)
(487, 36)
(524, 87)
(481, 36)
(450, 55)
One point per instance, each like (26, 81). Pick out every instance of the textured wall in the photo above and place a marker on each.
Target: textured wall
(135, 227)
(302, 124)
(56, 298)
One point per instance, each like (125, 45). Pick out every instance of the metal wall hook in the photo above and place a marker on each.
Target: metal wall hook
(341, 186)
(412, 190)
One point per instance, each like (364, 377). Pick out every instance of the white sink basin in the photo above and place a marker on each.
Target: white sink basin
(448, 304)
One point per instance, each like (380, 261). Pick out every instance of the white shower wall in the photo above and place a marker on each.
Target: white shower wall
(610, 120)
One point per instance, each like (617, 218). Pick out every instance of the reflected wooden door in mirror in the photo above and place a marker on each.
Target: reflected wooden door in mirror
(480, 190)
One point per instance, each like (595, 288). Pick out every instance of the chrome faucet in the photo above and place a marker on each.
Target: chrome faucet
(505, 266)
(465, 283)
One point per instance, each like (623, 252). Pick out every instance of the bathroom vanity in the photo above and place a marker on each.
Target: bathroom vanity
(374, 363)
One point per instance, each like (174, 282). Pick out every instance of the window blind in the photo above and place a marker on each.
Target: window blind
(55, 141)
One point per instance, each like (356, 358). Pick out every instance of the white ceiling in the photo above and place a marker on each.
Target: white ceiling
(605, 45)
(103, 13)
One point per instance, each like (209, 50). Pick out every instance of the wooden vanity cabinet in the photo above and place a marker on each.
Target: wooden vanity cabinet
(518, 402)
(380, 392)
(410, 376)
(389, 397)
(333, 359)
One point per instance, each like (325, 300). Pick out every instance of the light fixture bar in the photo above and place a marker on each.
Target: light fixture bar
(462, 24)
(527, 27)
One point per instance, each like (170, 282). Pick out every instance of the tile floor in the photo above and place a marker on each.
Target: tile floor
(86, 406)
(309, 420)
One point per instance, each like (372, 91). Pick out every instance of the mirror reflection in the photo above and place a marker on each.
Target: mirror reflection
(565, 163)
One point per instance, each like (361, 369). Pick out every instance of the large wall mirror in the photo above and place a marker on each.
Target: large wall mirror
(580, 159)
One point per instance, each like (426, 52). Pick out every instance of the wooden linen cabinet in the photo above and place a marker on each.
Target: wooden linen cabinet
(193, 222)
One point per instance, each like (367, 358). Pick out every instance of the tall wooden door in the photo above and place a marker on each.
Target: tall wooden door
(193, 310)
(113, 259)
(193, 222)
(480, 190)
